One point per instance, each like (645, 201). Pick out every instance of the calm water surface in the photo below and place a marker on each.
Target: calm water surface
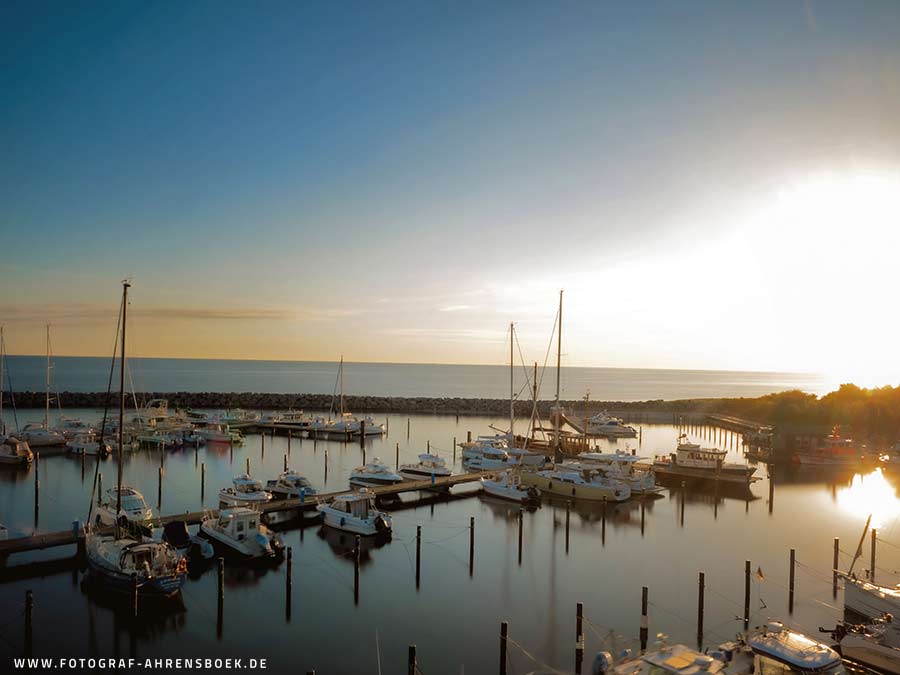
(452, 618)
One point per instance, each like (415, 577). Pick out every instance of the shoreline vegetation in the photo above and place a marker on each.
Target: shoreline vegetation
(869, 413)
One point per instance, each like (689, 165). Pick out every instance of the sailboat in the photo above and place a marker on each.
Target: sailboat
(41, 435)
(13, 452)
(348, 423)
(125, 560)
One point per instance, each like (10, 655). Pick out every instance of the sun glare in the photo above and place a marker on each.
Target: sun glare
(870, 494)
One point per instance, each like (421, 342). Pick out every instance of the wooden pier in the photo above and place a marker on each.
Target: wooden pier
(76, 534)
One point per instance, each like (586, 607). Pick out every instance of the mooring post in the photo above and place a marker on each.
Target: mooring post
(397, 456)
(418, 554)
(642, 516)
(99, 488)
(504, 631)
(521, 512)
(356, 571)
(220, 613)
(428, 446)
(874, 539)
(568, 513)
(387, 425)
(579, 638)
(645, 622)
(362, 433)
(248, 466)
(603, 525)
(407, 428)
(834, 567)
(411, 667)
(468, 437)
(285, 463)
(700, 593)
(37, 486)
(134, 594)
(202, 481)
(471, 545)
(29, 611)
(290, 436)
(159, 472)
(231, 450)
(288, 583)
(746, 594)
(454, 449)
(791, 583)
(262, 447)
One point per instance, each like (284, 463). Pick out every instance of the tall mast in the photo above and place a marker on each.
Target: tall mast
(534, 395)
(47, 398)
(125, 287)
(341, 376)
(512, 414)
(556, 424)
(2, 354)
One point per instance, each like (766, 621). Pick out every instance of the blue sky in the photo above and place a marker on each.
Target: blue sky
(399, 180)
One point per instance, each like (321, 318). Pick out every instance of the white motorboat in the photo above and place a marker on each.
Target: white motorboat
(586, 485)
(488, 457)
(38, 436)
(526, 457)
(14, 452)
(246, 491)
(621, 466)
(604, 424)
(215, 433)
(155, 566)
(71, 427)
(428, 467)
(290, 485)
(508, 485)
(162, 439)
(239, 529)
(134, 508)
(87, 444)
(356, 513)
(374, 474)
(869, 644)
(691, 462)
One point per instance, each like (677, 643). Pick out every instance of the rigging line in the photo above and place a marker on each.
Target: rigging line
(536, 660)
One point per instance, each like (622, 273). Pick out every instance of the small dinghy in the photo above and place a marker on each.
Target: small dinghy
(356, 513)
(374, 474)
(195, 548)
(507, 485)
(239, 530)
(247, 491)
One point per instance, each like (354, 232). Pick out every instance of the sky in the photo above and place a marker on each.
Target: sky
(714, 185)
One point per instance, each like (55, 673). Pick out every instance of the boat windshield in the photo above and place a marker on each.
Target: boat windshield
(770, 666)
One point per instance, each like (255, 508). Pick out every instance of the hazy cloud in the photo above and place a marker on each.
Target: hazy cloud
(456, 308)
(448, 334)
(87, 313)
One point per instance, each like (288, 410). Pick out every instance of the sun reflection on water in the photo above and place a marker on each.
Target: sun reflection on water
(870, 493)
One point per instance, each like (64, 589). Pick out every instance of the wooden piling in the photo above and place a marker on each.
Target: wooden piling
(579, 638)
(418, 554)
(356, 571)
(568, 513)
(791, 582)
(411, 666)
(874, 539)
(603, 525)
(471, 545)
(134, 594)
(202, 480)
(645, 621)
(288, 584)
(248, 466)
(37, 487)
(397, 456)
(159, 473)
(407, 428)
(285, 463)
(504, 632)
(746, 594)
(701, 590)
(29, 613)
(428, 447)
(220, 605)
(521, 513)
(454, 449)
(99, 488)
(642, 515)
(262, 446)
(834, 567)
(468, 437)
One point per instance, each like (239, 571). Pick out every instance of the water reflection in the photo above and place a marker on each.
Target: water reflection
(873, 493)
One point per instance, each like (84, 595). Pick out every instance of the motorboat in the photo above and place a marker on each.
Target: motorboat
(762, 651)
(14, 452)
(374, 474)
(155, 567)
(428, 467)
(832, 451)
(488, 457)
(193, 437)
(215, 433)
(351, 425)
(604, 424)
(133, 509)
(572, 484)
(620, 465)
(162, 439)
(355, 512)
(526, 457)
(508, 485)
(71, 427)
(246, 491)
(39, 436)
(239, 529)
(176, 534)
(4, 532)
(290, 485)
(691, 462)
(87, 444)
(869, 644)
(473, 449)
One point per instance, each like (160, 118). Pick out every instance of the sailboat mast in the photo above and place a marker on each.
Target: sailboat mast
(534, 395)
(556, 417)
(2, 354)
(341, 376)
(47, 397)
(125, 287)
(512, 414)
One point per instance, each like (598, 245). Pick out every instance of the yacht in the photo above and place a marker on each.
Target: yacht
(488, 458)
(507, 485)
(621, 466)
(39, 436)
(473, 449)
(691, 462)
(349, 424)
(604, 424)
(238, 529)
(290, 485)
(155, 566)
(869, 644)
(428, 467)
(86, 444)
(134, 508)
(374, 474)
(575, 484)
(356, 513)
(162, 439)
(14, 452)
(832, 451)
(215, 433)
(246, 491)
(526, 457)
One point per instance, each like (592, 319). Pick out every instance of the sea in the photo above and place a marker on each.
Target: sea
(90, 374)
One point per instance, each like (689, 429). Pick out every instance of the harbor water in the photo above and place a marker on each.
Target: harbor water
(453, 618)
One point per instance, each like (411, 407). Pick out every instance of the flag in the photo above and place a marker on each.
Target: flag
(759, 574)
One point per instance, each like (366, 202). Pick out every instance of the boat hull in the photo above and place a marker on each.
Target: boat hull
(868, 653)
(560, 488)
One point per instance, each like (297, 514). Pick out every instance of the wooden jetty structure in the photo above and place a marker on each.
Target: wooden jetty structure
(76, 534)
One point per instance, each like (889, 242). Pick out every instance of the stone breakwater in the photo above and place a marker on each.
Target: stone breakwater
(364, 404)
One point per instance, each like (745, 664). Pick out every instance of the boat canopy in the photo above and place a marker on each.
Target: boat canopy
(795, 649)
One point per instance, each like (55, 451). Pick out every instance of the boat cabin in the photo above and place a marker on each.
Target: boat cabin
(780, 651)
(359, 505)
(151, 557)
(238, 523)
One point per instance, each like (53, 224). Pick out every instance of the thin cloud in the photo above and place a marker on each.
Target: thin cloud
(448, 334)
(456, 308)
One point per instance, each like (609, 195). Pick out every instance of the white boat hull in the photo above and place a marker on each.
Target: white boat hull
(869, 653)
(348, 523)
